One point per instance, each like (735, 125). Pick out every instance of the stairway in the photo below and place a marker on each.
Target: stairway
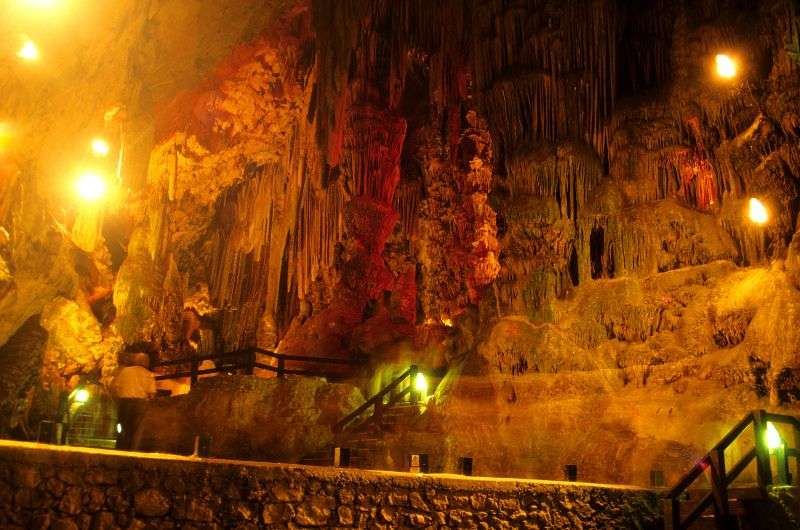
(742, 502)
(366, 440)
(730, 506)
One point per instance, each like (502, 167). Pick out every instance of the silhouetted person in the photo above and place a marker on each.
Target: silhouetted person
(132, 387)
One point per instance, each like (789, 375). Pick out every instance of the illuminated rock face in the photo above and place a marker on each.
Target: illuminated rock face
(548, 203)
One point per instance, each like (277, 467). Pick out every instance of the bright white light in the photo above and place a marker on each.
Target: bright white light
(40, 4)
(29, 51)
(91, 186)
(5, 135)
(81, 395)
(757, 212)
(119, 428)
(726, 66)
(774, 440)
(421, 384)
(100, 148)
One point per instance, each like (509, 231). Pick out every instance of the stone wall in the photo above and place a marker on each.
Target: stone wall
(70, 488)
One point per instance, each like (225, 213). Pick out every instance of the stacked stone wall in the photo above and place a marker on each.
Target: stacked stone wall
(69, 488)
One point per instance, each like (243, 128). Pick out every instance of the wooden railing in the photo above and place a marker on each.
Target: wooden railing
(247, 360)
(376, 402)
(722, 475)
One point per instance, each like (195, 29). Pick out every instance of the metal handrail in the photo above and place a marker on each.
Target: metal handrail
(245, 359)
(722, 478)
(377, 400)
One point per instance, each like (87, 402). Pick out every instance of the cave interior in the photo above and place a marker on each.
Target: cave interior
(576, 219)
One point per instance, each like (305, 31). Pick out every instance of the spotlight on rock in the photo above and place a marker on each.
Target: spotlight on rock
(100, 148)
(91, 186)
(774, 440)
(757, 212)
(81, 395)
(5, 136)
(29, 51)
(726, 66)
(421, 385)
(40, 4)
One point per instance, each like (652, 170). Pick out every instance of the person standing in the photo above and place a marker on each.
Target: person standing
(133, 385)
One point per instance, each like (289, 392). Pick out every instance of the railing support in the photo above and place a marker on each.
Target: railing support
(672, 514)
(195, 367)
(796, 432)
(763, 466)
(719, 488)
(250, 362)
(281, 367)
(412, 374)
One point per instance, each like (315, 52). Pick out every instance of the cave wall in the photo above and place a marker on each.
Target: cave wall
(531, 192)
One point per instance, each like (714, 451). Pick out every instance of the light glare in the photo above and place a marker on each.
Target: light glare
(5, 135)
(726, 66)
(774, 440)
(91, 186)
(29, 51)
(81, 395)
(421, 384)
(100, 148)
(757, 212)
(40, 4)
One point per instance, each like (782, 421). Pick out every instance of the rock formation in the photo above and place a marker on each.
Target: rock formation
(544, 202)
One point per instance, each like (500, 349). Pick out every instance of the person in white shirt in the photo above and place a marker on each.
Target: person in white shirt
(132, 387)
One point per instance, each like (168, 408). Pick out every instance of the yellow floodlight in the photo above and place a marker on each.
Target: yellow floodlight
(91, 186)
(29, 51)
(100, 148)
(774, 440)
(757, 212)
(726, 66)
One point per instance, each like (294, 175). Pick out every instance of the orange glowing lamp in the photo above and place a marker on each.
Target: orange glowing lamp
(29, 51)
(726, 66)
(757, 212)
(91, 186)
(100, 148)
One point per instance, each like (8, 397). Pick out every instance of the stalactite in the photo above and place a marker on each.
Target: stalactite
(407, 199)
(567, 174)
(563, 66)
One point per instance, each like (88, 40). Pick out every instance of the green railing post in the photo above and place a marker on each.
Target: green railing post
(281, 366)
(719, 487)
(763, 466)
(672, 514)
(195, 367)
(412, 374)
(796, 446)
(251, 361)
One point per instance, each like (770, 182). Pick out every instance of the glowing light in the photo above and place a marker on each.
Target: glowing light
(91, 186)
(40, 4)
(81, 395)
(119, 428)
(447, 321)
(726, 66)
(757, 212)
(29, 51)
(774, 440)
(421, 384)
(100, 148)
(5, 135)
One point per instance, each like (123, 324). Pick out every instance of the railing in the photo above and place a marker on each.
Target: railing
(247, 360)
(376, 401)
(722, 477)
